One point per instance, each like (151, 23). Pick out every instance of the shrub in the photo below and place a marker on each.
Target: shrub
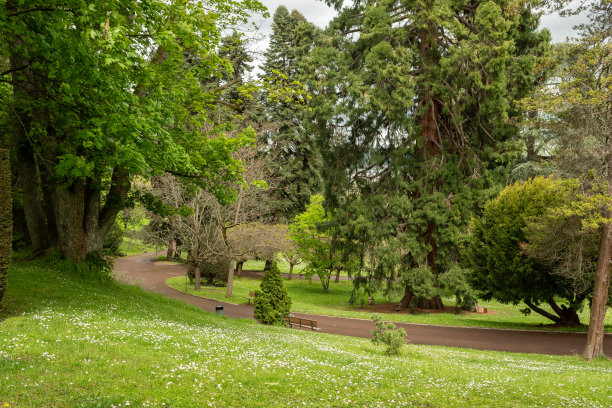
(499, 266)
(211, 273)
(113, 239)
(387, 334)
(272, 302)
(455, 283)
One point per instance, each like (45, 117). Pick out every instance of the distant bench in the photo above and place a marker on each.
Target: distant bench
(302, 323)
(250, 297)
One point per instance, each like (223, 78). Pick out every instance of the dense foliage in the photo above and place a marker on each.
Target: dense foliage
(101, 92)
(318, 242)
(500, 267)
(412, 103)
(287, 143)
(272, 302)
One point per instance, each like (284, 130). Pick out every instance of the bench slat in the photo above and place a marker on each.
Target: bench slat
(301, 322)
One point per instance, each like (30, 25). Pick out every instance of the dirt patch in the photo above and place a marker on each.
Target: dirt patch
(390, 308)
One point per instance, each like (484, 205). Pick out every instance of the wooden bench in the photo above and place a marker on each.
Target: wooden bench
(301, 323)
(250, 297)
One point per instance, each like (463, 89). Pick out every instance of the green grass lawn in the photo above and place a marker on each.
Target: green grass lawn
(308, 297)
(132, 246)
(67, 342)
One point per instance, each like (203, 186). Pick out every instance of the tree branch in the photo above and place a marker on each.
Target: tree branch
(543, 312)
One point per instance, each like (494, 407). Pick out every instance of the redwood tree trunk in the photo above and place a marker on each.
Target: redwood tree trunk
(421, 303)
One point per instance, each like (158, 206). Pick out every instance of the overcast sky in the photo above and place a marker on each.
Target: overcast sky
(318, 13)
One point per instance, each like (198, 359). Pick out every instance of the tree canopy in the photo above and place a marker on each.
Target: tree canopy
(100, 92)
(412, 103)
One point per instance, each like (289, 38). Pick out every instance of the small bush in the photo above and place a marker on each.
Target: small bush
(455, 283)
(272, 302)
(387, 334)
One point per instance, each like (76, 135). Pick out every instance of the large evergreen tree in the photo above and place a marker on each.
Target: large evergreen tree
(288, 146)
(411, 104)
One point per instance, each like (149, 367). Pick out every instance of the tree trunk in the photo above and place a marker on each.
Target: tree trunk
(595, 335)
(239, 268)
(32, 201)
(198, 277)
(171, 247)
(82, 221)
(6, 220)
(337, 279)
(230, 274)
(421, 303)
(568, 316)
(25, 93)
(49, 206)
(290, 271)
(268, 265)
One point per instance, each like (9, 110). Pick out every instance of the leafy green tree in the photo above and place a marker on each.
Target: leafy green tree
(413, 105)
(318, 242)
(272, 302)
(6, 220)
(500, 267)
(101, 92)
(290, 148)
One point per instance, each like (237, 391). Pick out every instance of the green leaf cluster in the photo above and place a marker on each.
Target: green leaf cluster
(500, 267)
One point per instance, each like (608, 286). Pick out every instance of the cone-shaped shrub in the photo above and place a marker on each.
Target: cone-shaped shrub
(272, 302)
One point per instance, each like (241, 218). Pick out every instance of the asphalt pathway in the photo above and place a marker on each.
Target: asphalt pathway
(151, 276)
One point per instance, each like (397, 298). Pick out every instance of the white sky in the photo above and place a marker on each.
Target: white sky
(317, 12)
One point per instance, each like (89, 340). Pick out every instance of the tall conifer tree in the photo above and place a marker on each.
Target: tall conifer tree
(293, 158)
(411, 104)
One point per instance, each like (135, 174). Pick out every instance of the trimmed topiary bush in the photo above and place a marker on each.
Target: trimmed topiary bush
(272, 302)
(6, 220)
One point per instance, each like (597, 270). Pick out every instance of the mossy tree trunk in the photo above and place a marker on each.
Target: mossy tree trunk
(6, 220)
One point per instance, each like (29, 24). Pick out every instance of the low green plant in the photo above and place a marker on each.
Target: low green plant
(113, 240)
(388, 334)
(97, 266)
(272, 302)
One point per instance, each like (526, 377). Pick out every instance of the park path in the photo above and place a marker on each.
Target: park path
(152, 276)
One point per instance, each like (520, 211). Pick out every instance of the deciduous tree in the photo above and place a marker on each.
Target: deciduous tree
(101, 93)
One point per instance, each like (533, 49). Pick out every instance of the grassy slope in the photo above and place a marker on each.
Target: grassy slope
(308, 297)
(69, 343)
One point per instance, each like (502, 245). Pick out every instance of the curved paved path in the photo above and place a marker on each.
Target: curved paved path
(151, 276)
